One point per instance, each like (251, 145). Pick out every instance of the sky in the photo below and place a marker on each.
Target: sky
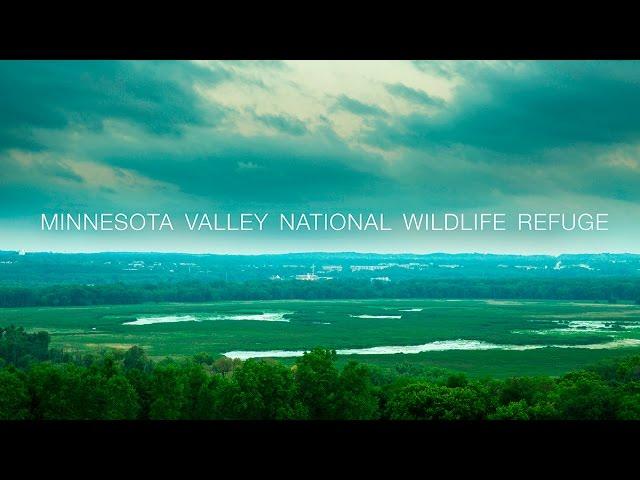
(319, 136)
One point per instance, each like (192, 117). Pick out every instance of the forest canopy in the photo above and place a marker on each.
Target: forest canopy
(601, 289)
(111, 385)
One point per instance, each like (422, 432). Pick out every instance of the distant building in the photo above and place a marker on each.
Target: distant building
(358, 268)
(332, 268)
(308, 277)
(22, 253)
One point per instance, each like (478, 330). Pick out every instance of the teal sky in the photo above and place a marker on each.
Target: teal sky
(316, 136)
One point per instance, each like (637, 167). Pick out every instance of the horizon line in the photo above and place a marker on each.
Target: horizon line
(310, 252)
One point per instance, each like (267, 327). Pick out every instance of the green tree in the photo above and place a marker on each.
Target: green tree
(428, 401)
(122, 399)
(530, 389)
(178, 390)
(225, 365)
(19, 348)
(167, 391)
(203, 358)
(14, 396)
(629, 407)
(215, 399)
(512, 411)
(57, 392)
(136, 358)
(196, 381)
(457, 380)
(317, 380)
(419, 401)
(142, 383)
(585, 396)
(356, 397)
(265, 391)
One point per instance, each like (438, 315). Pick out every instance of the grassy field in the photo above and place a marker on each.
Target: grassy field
(483, 337)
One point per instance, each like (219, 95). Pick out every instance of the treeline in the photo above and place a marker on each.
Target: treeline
(127, 385)
(601, 289)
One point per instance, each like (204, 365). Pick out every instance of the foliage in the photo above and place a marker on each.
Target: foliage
(571, 288)
(19, 348)
(128, 385)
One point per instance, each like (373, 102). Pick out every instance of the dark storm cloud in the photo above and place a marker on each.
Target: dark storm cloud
(95, 136)
(264, 170)
(508, 130)
(54, 95)
(523, 109)
(158, 100)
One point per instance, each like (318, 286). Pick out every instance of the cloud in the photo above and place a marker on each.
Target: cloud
(414, 96)
(267, 170)
(159, 96)
(356, 107)
(283, 123)
(325, 135)
(526, 108)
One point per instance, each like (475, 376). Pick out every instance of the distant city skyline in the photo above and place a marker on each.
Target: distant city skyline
(320, 136)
